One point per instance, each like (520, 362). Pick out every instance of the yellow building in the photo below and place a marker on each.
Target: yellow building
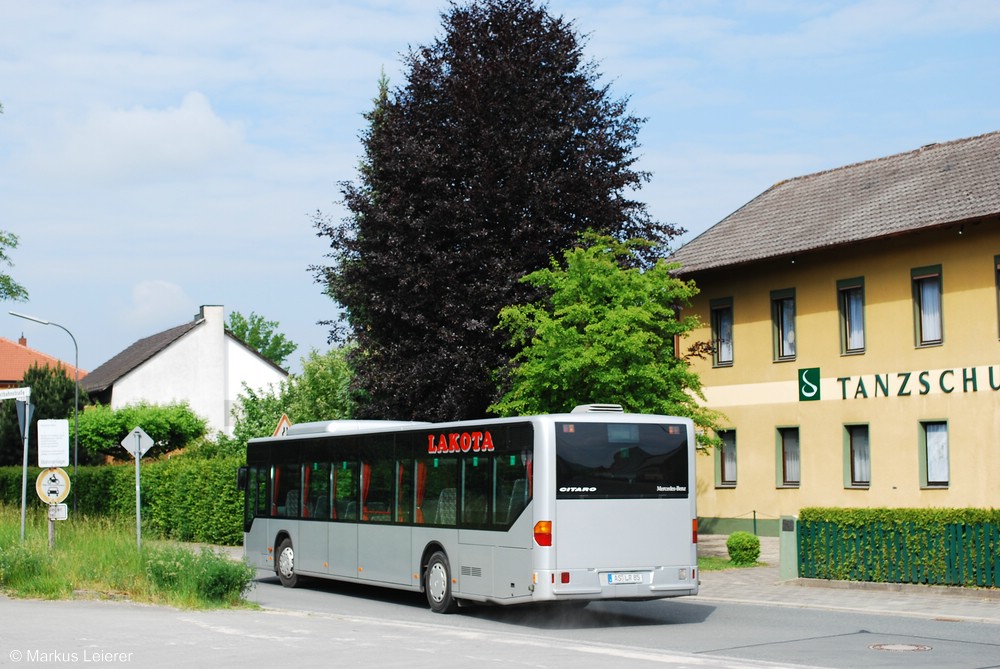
(855, 321)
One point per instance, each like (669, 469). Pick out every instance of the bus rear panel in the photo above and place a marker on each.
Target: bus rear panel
(623, 512)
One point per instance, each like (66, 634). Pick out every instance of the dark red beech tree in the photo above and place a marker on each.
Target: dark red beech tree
(497, 152)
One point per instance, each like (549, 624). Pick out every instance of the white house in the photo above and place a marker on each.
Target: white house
(200, 363)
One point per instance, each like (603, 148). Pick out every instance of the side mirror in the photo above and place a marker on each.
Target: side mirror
(241, 478)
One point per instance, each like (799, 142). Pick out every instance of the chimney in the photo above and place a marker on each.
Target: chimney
(22, 341)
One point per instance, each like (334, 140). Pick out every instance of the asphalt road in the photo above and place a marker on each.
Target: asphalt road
(345, 625)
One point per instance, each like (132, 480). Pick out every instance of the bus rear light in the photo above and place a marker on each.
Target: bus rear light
(564, 577)
(694, 530)
(543, 533)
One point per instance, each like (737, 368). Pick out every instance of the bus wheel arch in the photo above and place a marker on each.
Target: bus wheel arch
(284, 561)
(438, 582)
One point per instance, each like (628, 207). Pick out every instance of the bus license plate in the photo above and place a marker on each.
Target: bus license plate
(627, 577)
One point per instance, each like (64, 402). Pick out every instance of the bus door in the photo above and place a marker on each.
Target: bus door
(257, 509)
(343, 529)
(494, 519)
(385, 511)
(315, 511)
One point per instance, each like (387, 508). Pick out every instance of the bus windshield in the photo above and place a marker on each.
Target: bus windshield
(621, 460)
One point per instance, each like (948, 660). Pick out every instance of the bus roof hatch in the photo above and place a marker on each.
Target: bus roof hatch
(598, 408)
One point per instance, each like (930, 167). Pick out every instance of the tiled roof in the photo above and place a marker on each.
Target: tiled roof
(935, 185)
(136, 354)
(16, 359)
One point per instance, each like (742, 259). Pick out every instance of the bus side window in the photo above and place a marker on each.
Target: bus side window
(256, 500)
(404, 491)
(447, 503)
(438, 499)
(317, 491)
(513, 486)
(518, 499)
(287, 491)
(476, 484)
(377, 483)
(345, 490)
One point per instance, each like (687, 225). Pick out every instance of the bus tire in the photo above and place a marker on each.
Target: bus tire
(437, 584)
(284, 564)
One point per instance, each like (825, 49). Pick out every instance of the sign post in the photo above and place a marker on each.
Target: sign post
(52, 486)
(137, 443)
(24, 411)
(53, 453)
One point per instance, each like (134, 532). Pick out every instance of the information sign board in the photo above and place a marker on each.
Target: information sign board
(53, 443)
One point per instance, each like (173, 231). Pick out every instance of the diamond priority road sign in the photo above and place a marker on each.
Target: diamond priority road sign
(137, 442)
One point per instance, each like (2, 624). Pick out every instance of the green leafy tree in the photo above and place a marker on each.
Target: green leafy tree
(52, 394)
(170, 426)
(9, 289)
(321, 392)
(604, 333)
(256, 413)
(262, 336)
(501, 147)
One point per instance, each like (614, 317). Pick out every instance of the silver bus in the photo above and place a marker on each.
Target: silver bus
(595, 504)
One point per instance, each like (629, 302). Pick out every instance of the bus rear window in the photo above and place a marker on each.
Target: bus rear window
(621, 460)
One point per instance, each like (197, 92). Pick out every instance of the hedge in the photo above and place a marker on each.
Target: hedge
(928, 546)
(183, 498)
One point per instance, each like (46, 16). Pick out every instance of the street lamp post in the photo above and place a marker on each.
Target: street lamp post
(76, 389)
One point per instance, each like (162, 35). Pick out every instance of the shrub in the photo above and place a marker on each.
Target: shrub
(744, 548)
(171, 426)
(209, 576)
(20, 564)
(165, 567)
(220, 579)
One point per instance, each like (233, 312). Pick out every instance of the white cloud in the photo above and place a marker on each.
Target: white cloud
(184, 144)
(143, 144)
(157, 305)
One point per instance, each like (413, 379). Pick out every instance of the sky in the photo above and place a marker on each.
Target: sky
(156, 156)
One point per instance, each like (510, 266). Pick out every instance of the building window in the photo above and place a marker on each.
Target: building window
(859, 461)
(722, 332)
(726, 460)
(927, 305)
(934, 454)
(851, 297)
(788, 457)
(783, 320)
(996, 272)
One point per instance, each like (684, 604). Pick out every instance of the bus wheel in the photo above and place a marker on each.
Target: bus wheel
(284, 565)
(437, 584)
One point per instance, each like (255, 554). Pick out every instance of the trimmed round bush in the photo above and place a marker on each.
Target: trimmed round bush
(744, 548)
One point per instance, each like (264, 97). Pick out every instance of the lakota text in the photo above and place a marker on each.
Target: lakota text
(460, 442)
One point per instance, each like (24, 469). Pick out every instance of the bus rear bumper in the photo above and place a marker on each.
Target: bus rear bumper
(593, 584)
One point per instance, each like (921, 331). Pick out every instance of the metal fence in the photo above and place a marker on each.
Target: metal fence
(902, 552)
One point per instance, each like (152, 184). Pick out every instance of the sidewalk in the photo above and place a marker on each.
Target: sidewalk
(762, 585)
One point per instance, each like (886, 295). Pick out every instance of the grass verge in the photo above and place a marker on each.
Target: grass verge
(713, 563)
(98, 558)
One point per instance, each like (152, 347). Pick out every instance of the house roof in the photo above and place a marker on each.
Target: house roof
(105, 375)
(16, 358)
(935, 185)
